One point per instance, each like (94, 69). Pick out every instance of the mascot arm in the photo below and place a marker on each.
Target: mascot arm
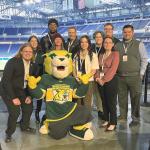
(32, 81)
(85, 77)
(37, 87)
(81, 87)
(80, 91)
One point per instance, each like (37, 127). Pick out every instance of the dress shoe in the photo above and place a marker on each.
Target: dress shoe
(110, 128)
(8, 138)
(134, 123)
(105, 124)
(29, 130)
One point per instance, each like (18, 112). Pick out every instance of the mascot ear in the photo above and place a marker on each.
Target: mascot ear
(52, 55)
(47, 62)
(69, 55)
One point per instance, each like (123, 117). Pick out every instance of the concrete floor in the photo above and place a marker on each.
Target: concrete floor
(124, 138)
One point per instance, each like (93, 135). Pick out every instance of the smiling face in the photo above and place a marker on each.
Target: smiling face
(34, 43)
(58, 63)
(128, 33)
(58, 41)
(72, 34)
(84, 43)
(27, 53)
(98, 39)
(108, 44)
(52, 27)
(108, 29)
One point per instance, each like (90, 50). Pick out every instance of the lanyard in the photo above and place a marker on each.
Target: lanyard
(50, 39)
(103, 57)
(35, 56)
(102, 62)
(81, 64)
(126, 47)
(97, 50)
(69, 45)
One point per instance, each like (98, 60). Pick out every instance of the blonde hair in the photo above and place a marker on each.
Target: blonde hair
(19, 55)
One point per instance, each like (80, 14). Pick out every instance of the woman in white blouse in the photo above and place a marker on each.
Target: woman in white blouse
(85, 62)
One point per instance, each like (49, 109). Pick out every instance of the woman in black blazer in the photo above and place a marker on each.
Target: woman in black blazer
(14, 89)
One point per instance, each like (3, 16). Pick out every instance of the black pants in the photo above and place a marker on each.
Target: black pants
(80, 116)
(108, 94)
(39, 105)
(14, 112)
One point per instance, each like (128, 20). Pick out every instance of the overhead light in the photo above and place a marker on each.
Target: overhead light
(28, 2)
(18, 4)
(147, 4)
(37, 1)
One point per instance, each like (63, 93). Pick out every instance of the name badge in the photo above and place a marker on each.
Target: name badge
(25, 84)
(79, 73)
(125, 58)
(101, 74)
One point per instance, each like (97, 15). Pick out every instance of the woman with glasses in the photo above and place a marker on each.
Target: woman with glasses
(107, 80)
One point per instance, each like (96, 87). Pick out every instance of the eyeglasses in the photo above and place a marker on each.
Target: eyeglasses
(27, 51)
(108, 42)
(108, 29)
(98, 37)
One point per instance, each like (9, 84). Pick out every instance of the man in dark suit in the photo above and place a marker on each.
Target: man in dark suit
(14, 90)
(72, 44)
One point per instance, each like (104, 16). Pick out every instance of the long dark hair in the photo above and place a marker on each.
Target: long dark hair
(89, 47)
(39, 46)
(103, 49)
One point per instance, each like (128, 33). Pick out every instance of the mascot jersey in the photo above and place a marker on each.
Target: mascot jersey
(58, 87)
(59, 94)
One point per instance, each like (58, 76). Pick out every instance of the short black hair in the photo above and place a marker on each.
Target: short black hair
(53, 20)
(109, 24)
(128, 26)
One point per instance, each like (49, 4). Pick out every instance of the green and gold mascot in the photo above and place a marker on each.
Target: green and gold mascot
(58, 88)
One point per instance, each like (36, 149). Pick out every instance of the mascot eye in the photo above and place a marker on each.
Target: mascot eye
(52, 55)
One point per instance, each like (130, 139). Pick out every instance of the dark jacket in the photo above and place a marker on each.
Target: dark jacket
(96, 50)
(47, 41)
(39, 60)
(12, 83)
(74, 48)
(115, 40)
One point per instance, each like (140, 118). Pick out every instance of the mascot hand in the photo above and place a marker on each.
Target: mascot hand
(32, 81)
(85, 78)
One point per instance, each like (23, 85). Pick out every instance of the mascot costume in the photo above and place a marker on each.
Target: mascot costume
(58, 88)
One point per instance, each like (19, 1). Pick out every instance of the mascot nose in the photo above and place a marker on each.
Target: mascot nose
(61, 59)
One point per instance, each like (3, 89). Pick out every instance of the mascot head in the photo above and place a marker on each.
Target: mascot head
(58, 63)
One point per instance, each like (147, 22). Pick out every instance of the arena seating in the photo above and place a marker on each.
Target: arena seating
(12, 38)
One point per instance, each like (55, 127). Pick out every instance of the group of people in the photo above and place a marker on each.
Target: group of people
(116, 68)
